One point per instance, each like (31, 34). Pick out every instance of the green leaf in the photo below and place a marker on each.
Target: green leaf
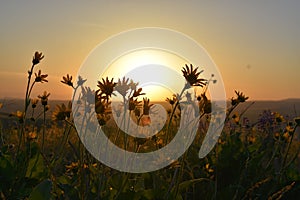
(42, 191)
(185, 184)
(36, 168)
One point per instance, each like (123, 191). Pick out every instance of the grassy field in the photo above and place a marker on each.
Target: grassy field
(42, 157)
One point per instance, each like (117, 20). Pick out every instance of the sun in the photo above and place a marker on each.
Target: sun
(157, 71)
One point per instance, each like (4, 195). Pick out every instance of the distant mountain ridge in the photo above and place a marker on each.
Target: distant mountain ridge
(289, 108)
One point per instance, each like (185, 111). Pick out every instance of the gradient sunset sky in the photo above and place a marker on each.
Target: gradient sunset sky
(255, 44)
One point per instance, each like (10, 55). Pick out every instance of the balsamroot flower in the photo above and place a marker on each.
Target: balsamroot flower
(40, 77)
(172, 100)
(122, 86)
(133, 85)
(192, 76)
(146, 106)
(37, 58)
(88, 94)
(34, 102)
(133, 104)
(138, 92)
(80, 81)
(62, 112)
(19, 115)
(67, 80)
(44, 98)
(102, 107)
(106, 88)
(205, 104)
(240, 98)
(32, 135)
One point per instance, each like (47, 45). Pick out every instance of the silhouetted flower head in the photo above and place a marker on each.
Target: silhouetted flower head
(239, 99)
(192, 76)
(67, 80)
(133, 104)
(62, 111)
(133, 85)
(88, 94)
(172, 100)
(122, 86)
(146, 106)
(106, 88)
(37, 58)
(278, 117)
(19, 115)
(102, 107)
(44, 98)
(138, 92)
(40, 77)
(34, 102)
(205, 104)
(80, 81)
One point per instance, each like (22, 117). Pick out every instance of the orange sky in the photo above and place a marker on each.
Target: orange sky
(256, 45)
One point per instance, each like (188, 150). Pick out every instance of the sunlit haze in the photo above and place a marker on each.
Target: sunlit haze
(255, 44)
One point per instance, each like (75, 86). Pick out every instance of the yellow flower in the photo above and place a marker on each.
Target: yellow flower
(192, 76)
(44, 98)
(146, 106)
(122, 86)
(106, 88)
(62, 112)
(278, 117)
(297, 120)
(67, 80)
(289, 129)
(40, 77)
(208, 169)
(133, 104)
(239, 99)
(286, 135)
(133, 85)
(251, 139)
(85, 166)
(172, 100)
(32, 135)
(19, 115)
(73, 165)
(34, 102)
(80, 81)
(137, 93)
(236, 118)
(37, 58)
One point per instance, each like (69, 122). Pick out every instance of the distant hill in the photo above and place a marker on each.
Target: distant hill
(289, 108)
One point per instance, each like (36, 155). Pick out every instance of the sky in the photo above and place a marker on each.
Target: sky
(255, 44)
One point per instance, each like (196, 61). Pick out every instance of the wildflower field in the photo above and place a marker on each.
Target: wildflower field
(42, 155)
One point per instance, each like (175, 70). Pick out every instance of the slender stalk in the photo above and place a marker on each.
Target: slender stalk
(44, 128)
(288, 149)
